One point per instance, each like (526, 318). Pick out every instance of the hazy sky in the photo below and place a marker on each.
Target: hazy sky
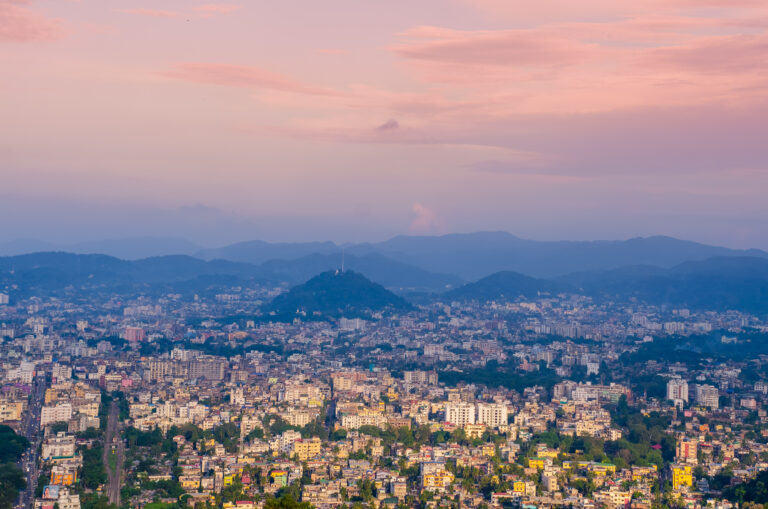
(360, 119)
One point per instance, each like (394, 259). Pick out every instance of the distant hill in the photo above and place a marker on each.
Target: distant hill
(461, 256)
(54, 272)
(392, 274)
(717, 283)
(720, 283)
(503, 286)
(334, 294)
(136, 248)
(125, 249)
(258, 251)
(476, 255)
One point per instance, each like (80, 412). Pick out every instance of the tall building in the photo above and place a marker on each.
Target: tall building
(677, 390)
(682, 476)
(351, 324)
(156, 369)
(208, 368)
(492, 415)
(420, 377)
(460, 414)
(62, 412)
(134, 334)
(707, 395)
(686, 450)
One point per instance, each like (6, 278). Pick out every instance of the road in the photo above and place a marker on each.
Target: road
(113, 442)
(30, 428)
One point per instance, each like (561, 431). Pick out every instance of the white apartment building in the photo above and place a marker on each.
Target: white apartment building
(492, 415)
(460, 414)
(60, 446)
(60, 412)
(707, 395)
(677, 390)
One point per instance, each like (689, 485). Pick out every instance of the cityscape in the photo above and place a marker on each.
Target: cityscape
(401, 254)
(355, 397)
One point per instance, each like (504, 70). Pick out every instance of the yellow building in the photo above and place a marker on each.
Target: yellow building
(489, 449)
(11, 410)
(536, 463)
(441, 479)
(279, 477)
(591, 466)
(639, 473)
(546, 452)
(307, 448)
(519, 487)
(682, 475)
(189, 482)
(63, 476)
(474, 430)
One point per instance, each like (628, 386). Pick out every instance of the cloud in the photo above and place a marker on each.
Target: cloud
(21, 24)
(425, 220)
(503, 48)
(202, 11)
(590, 10)
(208, 10)
(154, 13)
(389, 125)
(715, 55)
(242, 76)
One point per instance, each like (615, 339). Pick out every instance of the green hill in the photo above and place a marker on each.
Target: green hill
(334, 294)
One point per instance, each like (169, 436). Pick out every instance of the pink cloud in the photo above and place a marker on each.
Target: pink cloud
(243, 76)
(21, 24)
(424, 221)
(489, 47)
(154, 13)
(598, 10)
(208, 10)
(715, 55)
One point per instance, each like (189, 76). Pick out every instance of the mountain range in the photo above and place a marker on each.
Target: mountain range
(718, 283)
(479, 266)
(464, 256)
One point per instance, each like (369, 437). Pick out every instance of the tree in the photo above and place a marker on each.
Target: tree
(285, 502)
(11, 482)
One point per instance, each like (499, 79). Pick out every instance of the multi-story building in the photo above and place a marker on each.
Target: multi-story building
(440, 480)
(60, 446)
(306, 449)
(686, 450)
(460, 414)
(707, 395)
(61, 412)
(677, 390)
(492, 415)
(420, 377)
(682, 475)
(11, 410)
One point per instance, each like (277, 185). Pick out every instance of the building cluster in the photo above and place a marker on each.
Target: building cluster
(535, 403)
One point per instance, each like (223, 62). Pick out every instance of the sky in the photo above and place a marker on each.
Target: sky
(356, 120)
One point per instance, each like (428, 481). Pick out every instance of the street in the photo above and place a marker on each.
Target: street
(31, 430)
(113, 441)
